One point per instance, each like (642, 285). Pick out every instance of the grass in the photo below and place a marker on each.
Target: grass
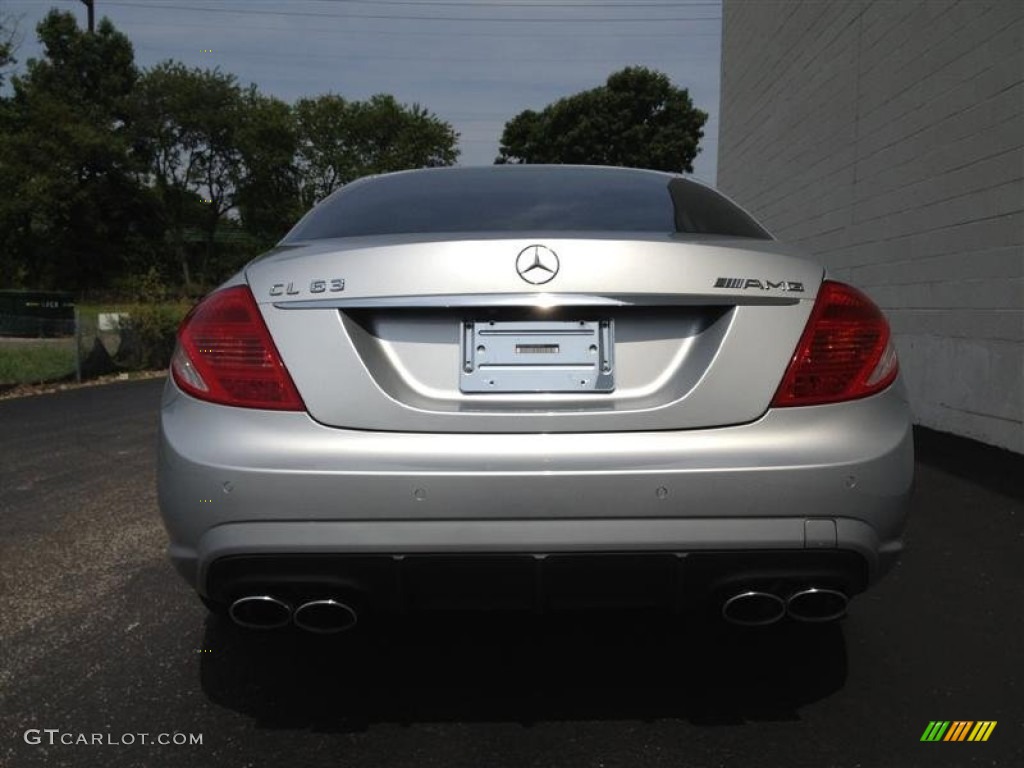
(30, 362)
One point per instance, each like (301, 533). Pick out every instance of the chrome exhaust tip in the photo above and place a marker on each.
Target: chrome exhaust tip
(754, 609)
(325, 617)
(816, 604)
(260, 612)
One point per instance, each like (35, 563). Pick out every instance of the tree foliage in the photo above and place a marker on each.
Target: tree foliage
(188, 121)
(72, 209)
(340, 140)
(110, 172)
(637, 118)
(9, 40)
(267, 193)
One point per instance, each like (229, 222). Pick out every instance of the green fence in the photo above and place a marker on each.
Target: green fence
(36, 314)
(38, 347)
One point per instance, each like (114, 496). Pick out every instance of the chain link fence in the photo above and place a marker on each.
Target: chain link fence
(46, 338)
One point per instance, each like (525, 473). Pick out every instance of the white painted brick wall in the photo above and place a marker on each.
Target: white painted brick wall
(887, 139)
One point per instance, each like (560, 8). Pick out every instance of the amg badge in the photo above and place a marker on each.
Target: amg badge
(744, 283)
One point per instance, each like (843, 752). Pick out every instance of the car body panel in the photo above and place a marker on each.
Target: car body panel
(589, 263)
(849, 463)
(400, 476)
(714, 359)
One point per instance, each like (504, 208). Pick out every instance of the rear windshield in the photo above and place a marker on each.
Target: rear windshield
(524, 199)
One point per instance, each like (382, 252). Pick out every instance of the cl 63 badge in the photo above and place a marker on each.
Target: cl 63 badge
(328, 285)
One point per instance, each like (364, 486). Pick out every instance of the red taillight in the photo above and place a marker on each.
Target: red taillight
(225, 355)
(845, 351)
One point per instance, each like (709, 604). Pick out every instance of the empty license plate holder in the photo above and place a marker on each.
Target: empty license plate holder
(537, 356)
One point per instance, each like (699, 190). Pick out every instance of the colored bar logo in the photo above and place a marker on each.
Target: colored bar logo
(958, 730)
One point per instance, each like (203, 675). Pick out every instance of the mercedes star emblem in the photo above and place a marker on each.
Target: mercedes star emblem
(537, 264)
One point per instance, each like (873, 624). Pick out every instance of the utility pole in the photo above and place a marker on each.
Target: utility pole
(92, 20)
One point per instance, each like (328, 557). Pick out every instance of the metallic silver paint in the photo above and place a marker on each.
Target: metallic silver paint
(537, 300)
(404, 376)
(300, 486)
(429, 265)
(685, 455)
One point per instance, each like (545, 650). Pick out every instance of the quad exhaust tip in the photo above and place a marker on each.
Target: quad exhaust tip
(817, 605)
(754, 609)
(814, 604)
(260, 612)
(325, 617)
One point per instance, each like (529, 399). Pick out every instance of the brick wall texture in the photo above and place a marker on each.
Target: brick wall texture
(887, 139)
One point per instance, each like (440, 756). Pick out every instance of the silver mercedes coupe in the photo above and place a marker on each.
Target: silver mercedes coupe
(532, 388)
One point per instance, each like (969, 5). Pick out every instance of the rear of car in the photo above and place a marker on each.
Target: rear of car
(532, 388)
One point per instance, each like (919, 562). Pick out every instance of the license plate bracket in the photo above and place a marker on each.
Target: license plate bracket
(537, 356)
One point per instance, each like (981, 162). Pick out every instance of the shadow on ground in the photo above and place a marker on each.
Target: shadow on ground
(503, 669)
(994, 468)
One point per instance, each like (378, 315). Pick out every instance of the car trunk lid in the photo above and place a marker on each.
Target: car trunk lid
(446, 335)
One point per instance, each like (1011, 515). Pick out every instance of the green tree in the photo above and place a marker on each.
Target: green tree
(340, 141)
(9, 40)
(268, 191)
(110, 174)
(637, 118)
(326, 154)
(189, 124)
(73, 211)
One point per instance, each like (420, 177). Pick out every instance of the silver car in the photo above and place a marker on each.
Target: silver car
(532, 388)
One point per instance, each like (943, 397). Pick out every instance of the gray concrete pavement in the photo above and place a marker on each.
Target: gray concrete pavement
(98, 635)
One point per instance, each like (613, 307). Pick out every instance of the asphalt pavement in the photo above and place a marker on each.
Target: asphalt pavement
(101, 641)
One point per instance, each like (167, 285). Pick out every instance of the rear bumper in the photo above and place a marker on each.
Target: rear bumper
(239, 483)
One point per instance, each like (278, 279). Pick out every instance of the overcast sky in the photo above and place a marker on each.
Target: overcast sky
(475, 63)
